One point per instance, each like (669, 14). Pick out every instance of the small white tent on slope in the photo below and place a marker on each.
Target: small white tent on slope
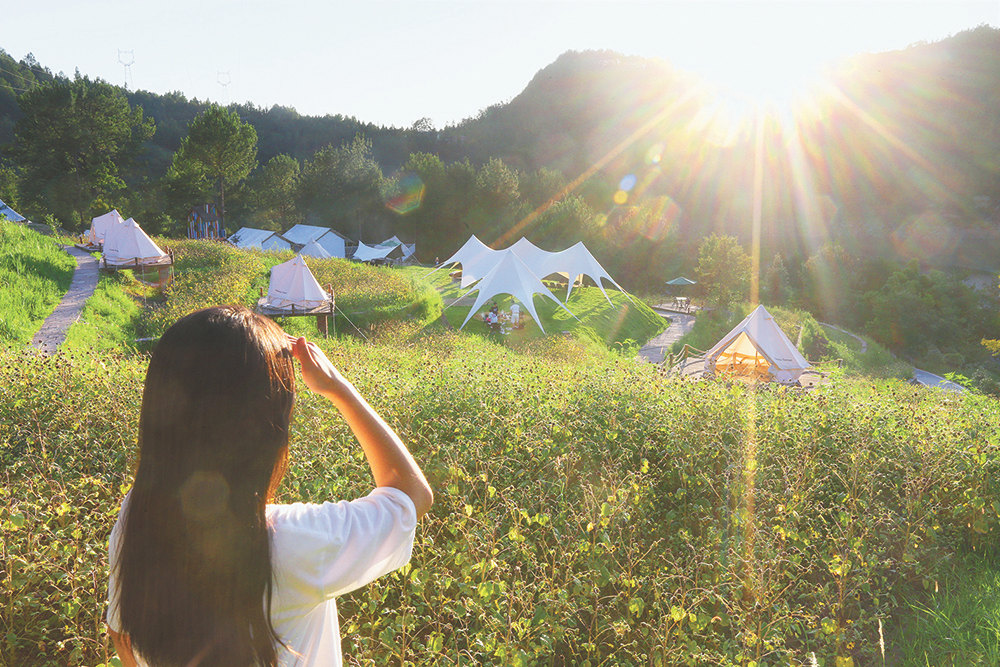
(757, 347)
(293, 284)
(314, 249)
(100, 226)
(476, 259)
(511, 276)
(127, 245)
(367, 253)
(9, 213)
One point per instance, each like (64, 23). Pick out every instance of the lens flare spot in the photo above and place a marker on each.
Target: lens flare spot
(627, 183)
(662, 217)
(409, 194)
(621, 197)
(655, 154)
(927, 236)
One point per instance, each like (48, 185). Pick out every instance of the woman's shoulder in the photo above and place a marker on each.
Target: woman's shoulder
(380, 501)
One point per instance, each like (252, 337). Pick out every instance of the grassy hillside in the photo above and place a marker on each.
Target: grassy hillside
(589, 509)
(34, 274)
(208, 273)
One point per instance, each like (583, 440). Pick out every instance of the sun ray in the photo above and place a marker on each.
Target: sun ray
(511, 234)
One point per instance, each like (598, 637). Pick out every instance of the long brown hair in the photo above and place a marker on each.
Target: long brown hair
(195, 566)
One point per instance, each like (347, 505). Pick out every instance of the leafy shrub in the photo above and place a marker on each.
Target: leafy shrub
(815, 345)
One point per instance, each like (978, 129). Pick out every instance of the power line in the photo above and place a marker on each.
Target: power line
(20, 76)
(127, 58)
(224, 79)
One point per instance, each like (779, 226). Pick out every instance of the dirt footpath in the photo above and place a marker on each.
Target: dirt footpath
(53, 331)
(655, 350)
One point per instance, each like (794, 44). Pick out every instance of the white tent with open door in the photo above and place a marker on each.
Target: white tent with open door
(127, 245)
(510, 275)
(757, 347)
(476, 259)
(293, 284)
(100, 226)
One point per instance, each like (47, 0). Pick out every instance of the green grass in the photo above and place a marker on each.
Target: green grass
(842, 340)
(109, 318)
(876, 361)
(34, 274)
(956, 624)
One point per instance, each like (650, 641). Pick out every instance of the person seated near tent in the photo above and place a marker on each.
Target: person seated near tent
(515, 314)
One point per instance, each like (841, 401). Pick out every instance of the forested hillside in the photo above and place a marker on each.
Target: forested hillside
(892, 160)
(894, 135)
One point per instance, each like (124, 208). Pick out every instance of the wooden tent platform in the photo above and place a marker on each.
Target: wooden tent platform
(321, 313)
(135, 264)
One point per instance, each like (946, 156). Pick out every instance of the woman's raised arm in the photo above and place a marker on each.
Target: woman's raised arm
(390, 462)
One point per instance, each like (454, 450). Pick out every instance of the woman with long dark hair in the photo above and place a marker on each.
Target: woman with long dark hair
(204, 571)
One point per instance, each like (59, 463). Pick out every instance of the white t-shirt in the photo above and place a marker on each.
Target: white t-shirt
(317, 553)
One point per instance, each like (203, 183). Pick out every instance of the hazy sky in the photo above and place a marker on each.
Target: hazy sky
(394, 62)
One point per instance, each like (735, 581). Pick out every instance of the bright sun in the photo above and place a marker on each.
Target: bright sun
(767, 64)
(766, 72)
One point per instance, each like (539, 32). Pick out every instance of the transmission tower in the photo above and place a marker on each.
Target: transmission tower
(224, 79)
(127, 59)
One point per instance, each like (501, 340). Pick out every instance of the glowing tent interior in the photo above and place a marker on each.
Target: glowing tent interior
(757, 347)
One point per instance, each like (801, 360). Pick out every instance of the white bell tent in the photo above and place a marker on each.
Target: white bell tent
(100, 226)
(476, 259)
(314, 249)
(511, 276)
(127, 245)
(292, 284)
(757, 347)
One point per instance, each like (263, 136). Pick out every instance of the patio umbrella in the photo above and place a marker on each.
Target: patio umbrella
(681, 282)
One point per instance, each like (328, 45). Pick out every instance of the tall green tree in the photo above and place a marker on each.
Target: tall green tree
(71, 144)
(342, 187)
(219, 148)
(273, 189)
(723, 270)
